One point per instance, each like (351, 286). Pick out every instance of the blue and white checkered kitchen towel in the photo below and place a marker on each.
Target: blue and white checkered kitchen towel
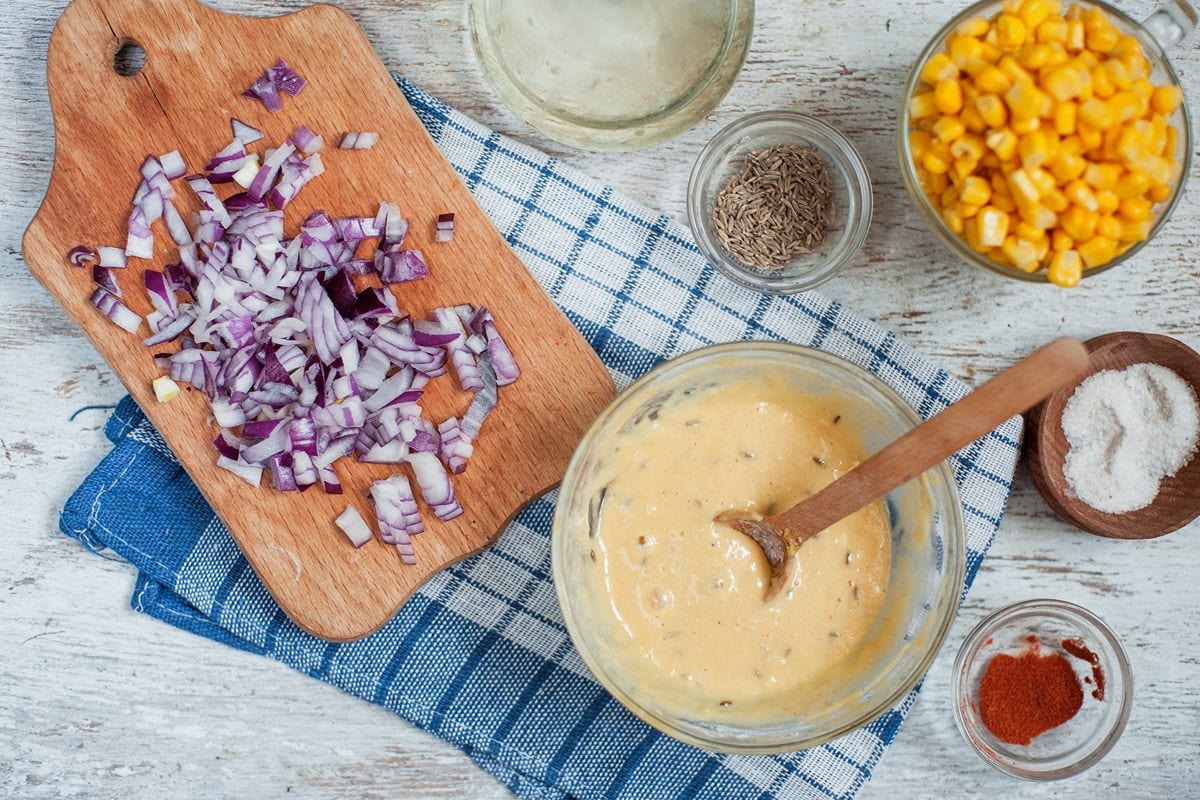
(480, 656)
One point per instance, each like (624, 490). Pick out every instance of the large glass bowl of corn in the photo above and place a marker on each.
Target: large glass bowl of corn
(1047, 140)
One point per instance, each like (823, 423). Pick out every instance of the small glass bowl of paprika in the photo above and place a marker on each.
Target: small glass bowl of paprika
(1042, 690)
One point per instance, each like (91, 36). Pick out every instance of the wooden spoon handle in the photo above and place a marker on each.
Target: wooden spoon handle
(1013, 391)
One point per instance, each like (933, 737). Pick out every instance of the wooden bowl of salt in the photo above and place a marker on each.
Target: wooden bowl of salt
(1046, 446)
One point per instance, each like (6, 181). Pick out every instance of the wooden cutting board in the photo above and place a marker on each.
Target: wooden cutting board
(197, 62)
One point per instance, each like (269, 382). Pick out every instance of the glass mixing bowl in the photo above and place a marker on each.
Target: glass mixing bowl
(928, 551)
(612, 75)
(1164, 29)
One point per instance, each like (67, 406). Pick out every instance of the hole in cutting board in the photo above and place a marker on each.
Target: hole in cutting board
(129, 59)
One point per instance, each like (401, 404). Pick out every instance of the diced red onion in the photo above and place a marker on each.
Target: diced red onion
(244, 133)
(358, 140)
(397, 514)
(306, 140)
(106, 279)
(173, 165)
(445, 227)
(354, 526)
(112, 308)
(81, 256)
(250, 473)
(436, 489)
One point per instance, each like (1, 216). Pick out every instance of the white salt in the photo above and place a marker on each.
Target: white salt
(1127, 430)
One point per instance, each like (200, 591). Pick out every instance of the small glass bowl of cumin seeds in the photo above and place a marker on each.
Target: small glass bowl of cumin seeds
(779, 202)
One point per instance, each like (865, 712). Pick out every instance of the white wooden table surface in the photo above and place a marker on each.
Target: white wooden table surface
(99, 702)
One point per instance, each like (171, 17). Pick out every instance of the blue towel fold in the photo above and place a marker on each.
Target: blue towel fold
(479, 656)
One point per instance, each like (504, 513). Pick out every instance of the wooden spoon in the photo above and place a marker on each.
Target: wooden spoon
(1013, 391)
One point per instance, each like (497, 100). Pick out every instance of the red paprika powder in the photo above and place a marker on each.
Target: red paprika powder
(1023, 696)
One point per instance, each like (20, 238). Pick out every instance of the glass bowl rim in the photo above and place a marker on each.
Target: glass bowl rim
(857, 225)
(1045, 607)
(934, 220)
(682, 113)
(942, 476)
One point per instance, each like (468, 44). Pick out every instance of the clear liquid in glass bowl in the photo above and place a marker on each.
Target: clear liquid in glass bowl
(611, 74)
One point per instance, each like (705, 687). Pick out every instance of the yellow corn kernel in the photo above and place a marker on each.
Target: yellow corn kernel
(165, 389)
(937, 162)
(1132, 184)
(1064, 118)
(1052, 29)
(971, 237)
(961, 51)
(971, 119)
(1156, 133)
(969, 146)
(1142, 88)
(976, 26)
(1067, 166)
(1098, 114)
(989, 161)
(1015, 72)
(1033, 12)
(1096, 251)
(1077, 223)
(1064, 82)
(948, 96)
(939, 67)
(975, 190)
(1109, 227)
(991, 226)
(1065, 269)
(1138, 66)
(1101, 37)
(1055, 200)
(1029, 233)
(953, 220)
(993, 79)
(1092, 138)
(1170, 141)
(1038, 216)
(1159, 170)
(1166, 99)
(1004, 202)
(1010, 31)
(1118, 74)
(962, 167)
(1060, 241)
(1072, 144)
(1075, 35)
(1022, 126)
(1136, 231)
(1135, 209)
(937, 181)
(1020, 253)
(992, 109)
(1022, 187)
(1160, 193)
(1043, 180)
(1026, 100)
(1035, 149)
(922, 105)
(918, 143)
(1035, 56)
(1134, 142)
(1108, 201)
(1003, 143)
(1081, 195)
(966, 210)
(1126, 106)
(948, 197)
(1043, 249)
(947, 129)
(1125, 47)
